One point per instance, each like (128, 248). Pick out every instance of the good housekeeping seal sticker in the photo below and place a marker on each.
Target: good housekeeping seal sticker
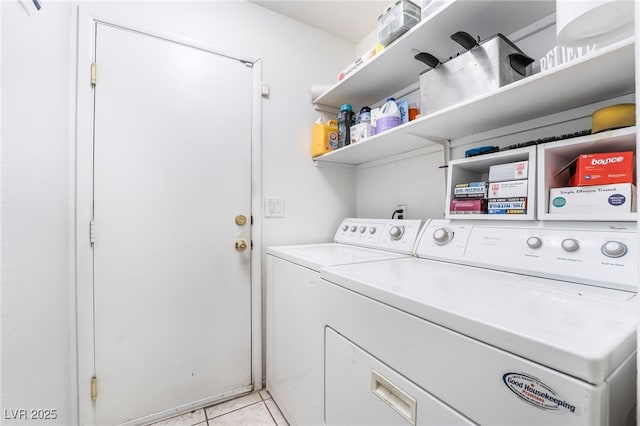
(534, 392)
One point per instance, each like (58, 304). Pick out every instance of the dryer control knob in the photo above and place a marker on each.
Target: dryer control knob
(345, 228)
(354, 228)
(534, 242)
(396, 232)
(442, 236)
(362, 229)
(372, 230)
(614, 249)
(570, 245)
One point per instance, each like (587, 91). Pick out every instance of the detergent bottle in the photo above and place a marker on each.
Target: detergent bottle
(324, 137)
(346, 119)
(389, 116)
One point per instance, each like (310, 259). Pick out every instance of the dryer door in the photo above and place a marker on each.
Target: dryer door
(360, 389)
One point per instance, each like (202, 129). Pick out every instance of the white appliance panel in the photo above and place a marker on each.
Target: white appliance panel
(603, 254)
(295, 323)
(554, 323)
(396, 235)
(361, 390)
(467, 374)
(317, 256)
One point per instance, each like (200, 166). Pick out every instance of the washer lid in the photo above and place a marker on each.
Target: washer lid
(317, 256)
(581, 330)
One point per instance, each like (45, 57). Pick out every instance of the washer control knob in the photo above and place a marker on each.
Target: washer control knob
(614, 249)
(362, 229)
(396, 232)
(354, 228)
(442, 236)
(372, 230)
(345, 228)
(534, 242)
(570, 245)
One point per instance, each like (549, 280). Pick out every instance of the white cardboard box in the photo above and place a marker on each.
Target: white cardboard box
(361, 131)
(509, 171)
(509, 189)
(618, 197)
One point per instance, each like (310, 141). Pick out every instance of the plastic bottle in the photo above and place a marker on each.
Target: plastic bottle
(365, 115)
(345, 121)
(324, 137)
(389, 116)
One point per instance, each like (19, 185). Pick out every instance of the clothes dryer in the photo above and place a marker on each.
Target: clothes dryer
(294, 326)
(508, 324)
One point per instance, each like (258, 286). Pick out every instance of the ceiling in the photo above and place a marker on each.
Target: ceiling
(348, 20)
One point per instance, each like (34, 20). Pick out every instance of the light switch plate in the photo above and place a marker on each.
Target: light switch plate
(274, 207)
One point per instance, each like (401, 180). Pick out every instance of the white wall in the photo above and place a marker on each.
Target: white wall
(37, 164)
(416, 181)
(35, 134)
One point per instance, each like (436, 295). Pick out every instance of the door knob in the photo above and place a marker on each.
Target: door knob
(241, 245)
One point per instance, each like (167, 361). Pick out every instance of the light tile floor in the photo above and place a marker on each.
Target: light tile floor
(255, 409)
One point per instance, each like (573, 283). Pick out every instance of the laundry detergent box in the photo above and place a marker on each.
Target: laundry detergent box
(471, 190)
(515, 205)
(601, 169)
(508, 189)
(361, 131)
(468, 206)
(619, 197)
(509, 171)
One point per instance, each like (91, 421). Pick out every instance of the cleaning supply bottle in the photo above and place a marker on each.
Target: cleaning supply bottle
(365, 115)
(324, 137)
(345, 121)
(389, 116)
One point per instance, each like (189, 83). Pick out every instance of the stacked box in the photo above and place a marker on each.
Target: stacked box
(469, 197)
(614, 198)
(513, 205)
(468, 206)
(508, 188)
(509, 171)
(471, 190)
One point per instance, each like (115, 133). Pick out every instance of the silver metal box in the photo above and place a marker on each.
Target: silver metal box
(489, 65)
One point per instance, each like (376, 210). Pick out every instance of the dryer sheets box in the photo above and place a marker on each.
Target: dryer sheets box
(619, 197)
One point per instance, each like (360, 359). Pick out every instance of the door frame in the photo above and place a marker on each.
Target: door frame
(81, 188)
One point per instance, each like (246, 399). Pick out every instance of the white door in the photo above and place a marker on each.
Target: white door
(172, 170)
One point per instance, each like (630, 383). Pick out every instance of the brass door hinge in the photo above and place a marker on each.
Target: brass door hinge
(94, 388)
(93, 74)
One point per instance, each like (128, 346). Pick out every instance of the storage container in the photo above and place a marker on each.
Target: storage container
(429, 7)
(396, 20)
(324, 137)
(487, 66)
(616, 198)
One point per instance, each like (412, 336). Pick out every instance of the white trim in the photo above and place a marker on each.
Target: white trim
(83, 195)
(71, 218)
(131, 25)
(81, 207)
(256, 230)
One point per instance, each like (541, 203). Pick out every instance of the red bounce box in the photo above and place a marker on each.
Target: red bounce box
(601, 169)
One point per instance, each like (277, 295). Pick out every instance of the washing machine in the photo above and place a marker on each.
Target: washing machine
(294, 318)
(524, 323)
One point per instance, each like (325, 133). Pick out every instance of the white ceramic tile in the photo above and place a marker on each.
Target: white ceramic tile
(253, 415)
(264, 394)
(188, 419)
(275, 412)
(232, 405)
